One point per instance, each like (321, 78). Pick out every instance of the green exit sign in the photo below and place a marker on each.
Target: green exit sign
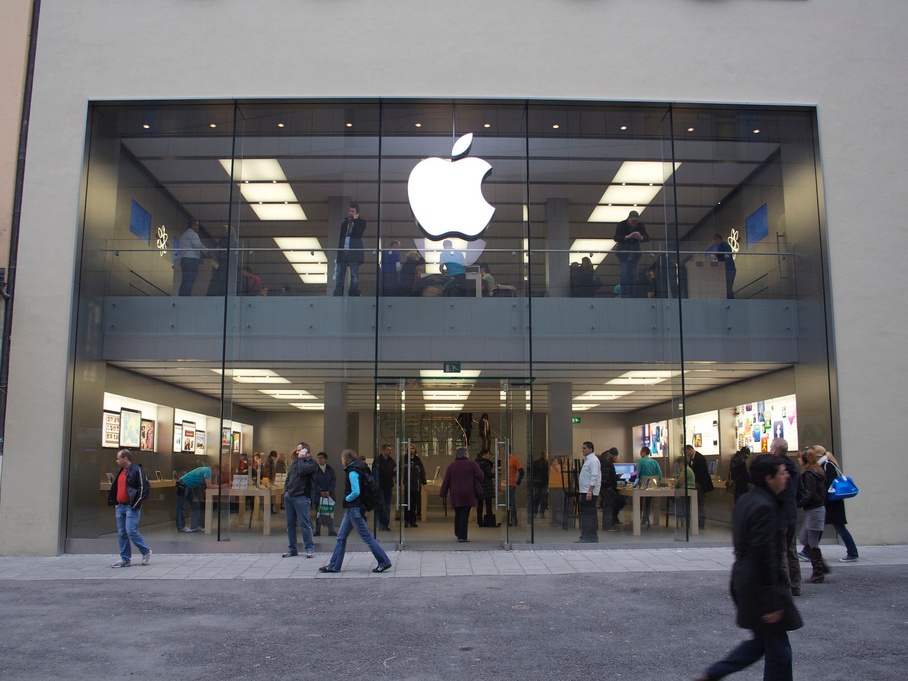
(452, 367)
(575, 419)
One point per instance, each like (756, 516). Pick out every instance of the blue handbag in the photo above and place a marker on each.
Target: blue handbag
(842, 487)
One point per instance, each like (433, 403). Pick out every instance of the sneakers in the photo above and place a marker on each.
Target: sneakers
(290, 554)
(186, 530)
(803, 556)
(383, 568)
(325, 568)
(121, 563)
(848, 559)
(146, 558)
(310, 553)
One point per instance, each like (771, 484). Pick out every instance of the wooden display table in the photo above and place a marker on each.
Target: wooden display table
(259, 495)
(660, 492)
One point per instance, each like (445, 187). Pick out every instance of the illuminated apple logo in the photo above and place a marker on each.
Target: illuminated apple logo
(446, 196)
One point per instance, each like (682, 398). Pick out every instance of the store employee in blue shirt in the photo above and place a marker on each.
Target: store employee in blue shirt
(189, 488)
(647, 467)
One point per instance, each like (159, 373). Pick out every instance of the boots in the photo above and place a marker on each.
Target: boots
(816, 561)
(826, 568)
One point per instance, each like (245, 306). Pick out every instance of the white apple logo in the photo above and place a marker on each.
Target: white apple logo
(446, 196)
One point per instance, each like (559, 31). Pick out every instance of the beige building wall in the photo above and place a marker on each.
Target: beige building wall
(846, 58)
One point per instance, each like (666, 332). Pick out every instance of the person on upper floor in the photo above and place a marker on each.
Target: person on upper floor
(629, 234)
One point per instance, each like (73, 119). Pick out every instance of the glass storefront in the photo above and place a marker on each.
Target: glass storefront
(511, 276)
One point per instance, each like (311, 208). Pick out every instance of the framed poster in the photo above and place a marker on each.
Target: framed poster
(130, 428)
(110, 429)
(177, 437)
(698, 439)
(236, 442)
(200, 443)
(225, 440)
(146, 436)
(188, 436)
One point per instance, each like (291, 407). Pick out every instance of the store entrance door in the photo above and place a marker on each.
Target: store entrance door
(425, 421)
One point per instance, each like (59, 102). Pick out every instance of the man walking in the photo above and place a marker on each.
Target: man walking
(349, 251)
(298, 500)
(384, 470)
(589, 484)
(790, 564)
(758, 588)
(128, 491)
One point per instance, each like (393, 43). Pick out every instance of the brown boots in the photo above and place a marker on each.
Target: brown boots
(820, 568)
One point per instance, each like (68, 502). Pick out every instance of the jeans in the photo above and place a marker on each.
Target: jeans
(628, 264)
(298, 514)
(384, 507)
(589, 524)
(850, 546)
(340, 273)
(189, 267)
(773, 644)
(128, 530)
(354, 518)
(195, 509)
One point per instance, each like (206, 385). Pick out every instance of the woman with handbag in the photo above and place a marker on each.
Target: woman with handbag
(463, 479)
(812, 498)
(835, 510)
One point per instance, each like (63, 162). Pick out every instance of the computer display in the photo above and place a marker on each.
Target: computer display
(626, 471)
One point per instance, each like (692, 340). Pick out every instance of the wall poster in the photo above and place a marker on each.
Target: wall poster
(130, 428)
(236, 442)
(225, 440)
(177, 437)
(146, 436)
(189, 436)
(110, 429)
(200, 443)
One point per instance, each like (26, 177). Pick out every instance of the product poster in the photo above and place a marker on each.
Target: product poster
(130, 428)
(188, 436)
(110, 429)
(146, 437)
(177, 437)
(236, 443)
(200, 442)
(225, 440)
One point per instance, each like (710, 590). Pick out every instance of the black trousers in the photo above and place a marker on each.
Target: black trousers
(589, 524)
(461, 521)
(480, 516)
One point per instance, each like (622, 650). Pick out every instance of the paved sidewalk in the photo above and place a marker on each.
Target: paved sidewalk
(358, 564)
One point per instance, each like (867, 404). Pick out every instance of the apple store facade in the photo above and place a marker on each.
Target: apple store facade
(262, 337)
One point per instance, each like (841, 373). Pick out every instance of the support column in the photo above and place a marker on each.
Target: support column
(557, 243)
(336, 436)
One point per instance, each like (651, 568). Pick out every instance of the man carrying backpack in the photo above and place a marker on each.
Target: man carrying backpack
(298, 500)
(128, 491)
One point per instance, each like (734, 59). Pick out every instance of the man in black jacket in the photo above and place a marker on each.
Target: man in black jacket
(128, 491)
(758, 588)
(298, 500)
(349, 251)
(704, 482)
(791, 566)
(628, 236)
(612, 503)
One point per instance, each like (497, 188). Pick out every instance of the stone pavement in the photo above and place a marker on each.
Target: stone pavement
(358, 564)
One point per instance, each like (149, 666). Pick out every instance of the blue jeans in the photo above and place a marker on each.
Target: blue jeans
(298, 513)
(773, 644)
(628, 264)
(128, 530)
(354, 518)
(195, 509)
(850, 546)
(340, 272)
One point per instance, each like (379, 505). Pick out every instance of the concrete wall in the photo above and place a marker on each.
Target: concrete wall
(846, 58)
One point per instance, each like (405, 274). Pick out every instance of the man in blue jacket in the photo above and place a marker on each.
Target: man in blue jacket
(325, 481)
(298, 500)
(128, 491)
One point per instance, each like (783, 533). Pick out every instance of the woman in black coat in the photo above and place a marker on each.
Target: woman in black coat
(737, 472)
(459, 481)
(487, 466)
(835, 510)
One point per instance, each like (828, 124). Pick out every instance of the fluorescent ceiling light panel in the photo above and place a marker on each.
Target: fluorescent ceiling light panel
(268, 192)
(255, 169)
(582, 407)
(628, 195)
(306, 256)
(439, 373)
(443, 407)
(594, 249)
(252, 375)
(613, 213)
(289, 394)
(449, 395)
(644, 172)
(603, 395)
(309, 406)
(279, 211)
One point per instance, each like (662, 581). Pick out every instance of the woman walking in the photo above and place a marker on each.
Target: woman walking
(835, 510)
(460, 479)
(354, 467)
(813, 501)
(487, 466)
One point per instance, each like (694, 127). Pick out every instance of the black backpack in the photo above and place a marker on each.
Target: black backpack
(368, 490)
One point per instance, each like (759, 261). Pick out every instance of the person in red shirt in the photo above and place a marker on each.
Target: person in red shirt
(128, 491)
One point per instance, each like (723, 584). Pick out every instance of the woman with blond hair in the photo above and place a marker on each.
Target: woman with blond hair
(812, 498)
(835, 510)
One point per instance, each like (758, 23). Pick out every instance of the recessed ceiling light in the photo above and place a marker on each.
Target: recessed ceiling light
(146, 126)
(556, 126)
(757, 131)
(624, 127)
(487, 125)
(309, 406)
(212, 125)
(690, 129)
(292, 212)
(289, 394)
(280, 125)
(418, 125)
(349, 125)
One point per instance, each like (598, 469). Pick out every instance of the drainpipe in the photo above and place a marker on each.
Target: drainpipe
(8, 288)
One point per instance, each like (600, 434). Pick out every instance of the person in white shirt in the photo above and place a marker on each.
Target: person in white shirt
(589, 483)
(191, 250)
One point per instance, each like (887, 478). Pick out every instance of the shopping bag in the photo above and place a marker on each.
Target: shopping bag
(325, 507)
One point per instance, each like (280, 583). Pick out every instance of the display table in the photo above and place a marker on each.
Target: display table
(259, 496)
(660, 492)
(473, 275)
(152, 484)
